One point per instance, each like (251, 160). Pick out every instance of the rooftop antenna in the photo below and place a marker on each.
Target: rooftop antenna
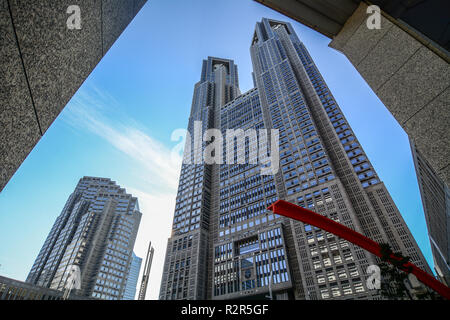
(147, 268)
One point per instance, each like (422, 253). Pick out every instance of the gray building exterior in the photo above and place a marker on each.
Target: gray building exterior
(224, 243)
(407, 64)
(436, 206)
(43, 63)
(406, 61)
(11, 289)
(96, 232)
(133, 277)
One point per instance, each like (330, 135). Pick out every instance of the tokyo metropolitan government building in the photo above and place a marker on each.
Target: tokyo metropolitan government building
(225, 244)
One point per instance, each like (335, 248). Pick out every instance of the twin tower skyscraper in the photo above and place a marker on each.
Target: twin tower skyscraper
(225, 244)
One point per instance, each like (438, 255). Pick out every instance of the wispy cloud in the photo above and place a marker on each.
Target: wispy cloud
(155, 226)
(100, 113)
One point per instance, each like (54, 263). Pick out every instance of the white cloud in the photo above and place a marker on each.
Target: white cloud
(94, 111)
(155, 225)
(98, 112)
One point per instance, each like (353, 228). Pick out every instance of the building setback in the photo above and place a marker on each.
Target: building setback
(224, 243)
(95, 231)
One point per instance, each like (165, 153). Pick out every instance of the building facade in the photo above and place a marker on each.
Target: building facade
(94, 234)
(436, 206)
(402, 50)
(225, 244)
(11, 289)
(133, 277)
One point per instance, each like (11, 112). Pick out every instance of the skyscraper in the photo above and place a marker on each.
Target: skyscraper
(224, 243)
(95, 234)
(436, 206)
(133, 277)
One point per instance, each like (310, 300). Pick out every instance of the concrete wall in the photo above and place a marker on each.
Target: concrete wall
(324, 16)
(410, 79)
(43, 64)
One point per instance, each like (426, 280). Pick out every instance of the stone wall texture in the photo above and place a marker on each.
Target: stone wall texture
(410, 79)
(43, 64)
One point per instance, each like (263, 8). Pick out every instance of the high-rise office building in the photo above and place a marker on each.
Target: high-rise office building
(133, 277)
(436, 206)
(94, 236)
(224, 243)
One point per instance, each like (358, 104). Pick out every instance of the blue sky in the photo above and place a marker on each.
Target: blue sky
(119, 125)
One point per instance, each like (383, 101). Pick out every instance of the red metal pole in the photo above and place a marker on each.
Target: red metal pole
(293, 211)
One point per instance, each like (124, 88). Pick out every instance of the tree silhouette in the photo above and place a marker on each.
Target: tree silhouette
(394, 273)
